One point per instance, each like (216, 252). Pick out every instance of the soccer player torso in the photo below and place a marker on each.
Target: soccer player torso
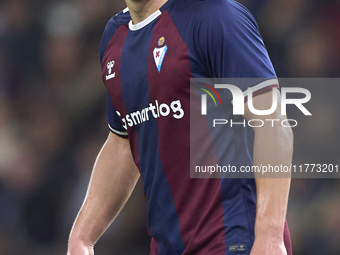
(146, 69)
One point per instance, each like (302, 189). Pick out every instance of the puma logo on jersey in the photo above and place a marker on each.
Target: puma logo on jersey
(109, 66)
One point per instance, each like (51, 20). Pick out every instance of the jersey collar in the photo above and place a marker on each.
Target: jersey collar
(145, 22)
(151, 18)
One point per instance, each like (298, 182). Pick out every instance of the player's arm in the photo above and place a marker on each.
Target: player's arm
(274, 146)
(113, 179)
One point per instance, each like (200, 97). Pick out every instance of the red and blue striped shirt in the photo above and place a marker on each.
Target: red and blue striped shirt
(147, 69)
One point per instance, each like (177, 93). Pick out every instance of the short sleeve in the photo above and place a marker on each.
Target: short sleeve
(231, 46)
(115, 123)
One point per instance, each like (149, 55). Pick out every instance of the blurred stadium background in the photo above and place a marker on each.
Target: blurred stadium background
(53, 121)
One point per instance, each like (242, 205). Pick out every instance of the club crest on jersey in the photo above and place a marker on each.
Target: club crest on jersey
(159, 53)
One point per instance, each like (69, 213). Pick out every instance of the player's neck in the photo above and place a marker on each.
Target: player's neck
(141, 9)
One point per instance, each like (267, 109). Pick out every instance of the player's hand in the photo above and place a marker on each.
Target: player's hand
(268, 248)
(79, 249)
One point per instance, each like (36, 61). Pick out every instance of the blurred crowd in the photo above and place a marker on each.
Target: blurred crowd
(53, 121)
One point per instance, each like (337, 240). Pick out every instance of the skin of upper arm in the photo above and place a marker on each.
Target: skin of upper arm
(117, 143)
(270, 128)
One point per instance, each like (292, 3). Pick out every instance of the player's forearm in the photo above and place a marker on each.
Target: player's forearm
(112, 182)
(274, 147)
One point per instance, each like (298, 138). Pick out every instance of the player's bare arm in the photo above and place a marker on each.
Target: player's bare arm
(113, 179)
(273, 145)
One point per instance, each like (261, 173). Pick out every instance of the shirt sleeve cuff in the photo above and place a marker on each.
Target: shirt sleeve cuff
(262, 88)
(117, 132)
